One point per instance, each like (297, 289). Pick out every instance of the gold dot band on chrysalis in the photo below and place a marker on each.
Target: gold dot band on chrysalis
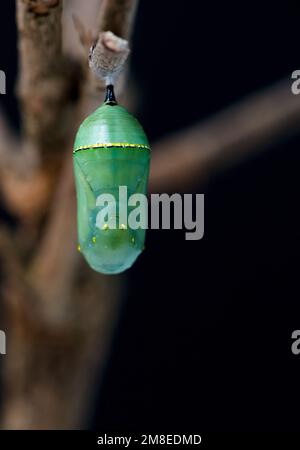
(112, 144)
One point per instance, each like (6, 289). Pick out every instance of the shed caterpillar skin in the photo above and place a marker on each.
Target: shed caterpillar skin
(110, 150)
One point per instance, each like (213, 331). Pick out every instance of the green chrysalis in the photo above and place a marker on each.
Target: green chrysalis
(110, 150)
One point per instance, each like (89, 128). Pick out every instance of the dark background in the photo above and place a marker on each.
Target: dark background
(204, 338)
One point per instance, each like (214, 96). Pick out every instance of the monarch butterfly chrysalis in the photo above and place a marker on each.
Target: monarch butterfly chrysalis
(110, 150)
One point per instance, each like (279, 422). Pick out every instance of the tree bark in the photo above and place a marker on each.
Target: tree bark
(59, 314)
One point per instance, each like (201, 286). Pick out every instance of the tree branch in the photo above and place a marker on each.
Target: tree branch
(19, 178)
(9, 145)
(45, 81)
(54, 267)
(47, 87)
(40, 41)
(190, 156)
(117, 16)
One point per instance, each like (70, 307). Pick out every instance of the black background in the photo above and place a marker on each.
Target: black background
(204, 337)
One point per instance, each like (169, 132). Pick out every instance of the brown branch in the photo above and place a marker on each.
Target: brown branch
(86, 37)
(46, 87)
(15, 286)
(9, 145)
(19, 178)
(108, 55)
(190, 156)
(40, 83)
(45, 84)
(15, 155)
(55, 264)
(12, 266)
(117, 16)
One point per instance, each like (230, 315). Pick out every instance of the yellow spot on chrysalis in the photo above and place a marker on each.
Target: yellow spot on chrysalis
(133, 240)
(78, 247)
(105, 227)
(122, 226)
(94, 239)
